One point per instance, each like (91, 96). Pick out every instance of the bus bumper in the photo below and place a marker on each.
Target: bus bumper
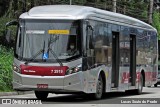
(68, 83)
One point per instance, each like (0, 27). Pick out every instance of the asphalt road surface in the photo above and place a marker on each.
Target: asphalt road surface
(150, 96)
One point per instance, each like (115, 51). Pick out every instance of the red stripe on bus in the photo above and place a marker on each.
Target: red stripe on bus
(149, 76)
(43, 70)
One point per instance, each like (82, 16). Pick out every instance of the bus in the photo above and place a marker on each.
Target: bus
(65, 49)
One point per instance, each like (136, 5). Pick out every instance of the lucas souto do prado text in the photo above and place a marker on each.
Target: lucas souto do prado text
(139, 101)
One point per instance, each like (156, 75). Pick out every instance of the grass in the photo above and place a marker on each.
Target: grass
(6, 59)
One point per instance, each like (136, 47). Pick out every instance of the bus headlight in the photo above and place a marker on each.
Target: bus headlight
(15, 68)
(74, 69)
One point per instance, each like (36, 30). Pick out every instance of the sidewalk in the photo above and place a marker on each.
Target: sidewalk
(15, 93)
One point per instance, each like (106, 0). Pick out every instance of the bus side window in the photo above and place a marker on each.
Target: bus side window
(89, 41)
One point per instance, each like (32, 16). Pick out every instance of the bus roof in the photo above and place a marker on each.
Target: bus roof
(75, 12)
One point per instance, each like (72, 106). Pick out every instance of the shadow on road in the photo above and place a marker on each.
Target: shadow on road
(155, 87)
(108, 98)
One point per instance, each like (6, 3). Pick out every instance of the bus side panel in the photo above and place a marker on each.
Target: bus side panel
(74, 82)
(124, 78)
(91, 78)
(154, 48)
(146, 55)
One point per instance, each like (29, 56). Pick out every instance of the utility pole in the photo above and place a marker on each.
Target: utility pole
(124, 8)
(114, 5)
(32, 3)
(70, 2)
(24, 5)
(15, 5)
(150, 12)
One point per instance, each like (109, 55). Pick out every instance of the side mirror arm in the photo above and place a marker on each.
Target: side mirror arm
(7, 31)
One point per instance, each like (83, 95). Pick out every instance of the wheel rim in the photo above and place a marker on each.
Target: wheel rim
(140, 85)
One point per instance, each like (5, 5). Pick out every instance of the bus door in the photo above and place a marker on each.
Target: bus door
(115, 59)
(132, 79)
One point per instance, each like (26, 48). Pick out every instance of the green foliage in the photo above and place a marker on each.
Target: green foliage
(6, 59)
(3, 31)
(156, 22)
(3, 22)
(134, 8)
(4, 4)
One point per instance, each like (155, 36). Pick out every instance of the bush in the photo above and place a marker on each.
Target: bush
(3, 22)
(6, 59)
(156, 22)
(6, 56)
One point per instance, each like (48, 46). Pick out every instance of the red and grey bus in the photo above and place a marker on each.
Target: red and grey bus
(80, 49)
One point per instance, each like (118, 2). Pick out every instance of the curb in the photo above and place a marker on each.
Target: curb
(15, 93)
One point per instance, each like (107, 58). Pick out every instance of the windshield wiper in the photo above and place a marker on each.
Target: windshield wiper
(53, 53)
(37, 54)
(42, 51)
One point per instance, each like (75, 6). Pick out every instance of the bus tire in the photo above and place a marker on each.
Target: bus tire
(140, 86)
(99, 88)
(41, 95)
(155, 85)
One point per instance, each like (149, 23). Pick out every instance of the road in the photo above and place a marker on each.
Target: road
(111, 99)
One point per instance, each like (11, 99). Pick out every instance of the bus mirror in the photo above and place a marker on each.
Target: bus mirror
(8, 31)
(8, 35)
(13, 22)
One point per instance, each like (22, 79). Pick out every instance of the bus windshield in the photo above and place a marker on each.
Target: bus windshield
(50, 40)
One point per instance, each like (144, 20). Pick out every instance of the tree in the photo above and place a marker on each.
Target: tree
(156, 22)
(114, 5)
(4, 4)
(150, 12)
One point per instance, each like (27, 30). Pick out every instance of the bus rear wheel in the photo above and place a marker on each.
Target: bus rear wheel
(41, 95)
(155, 85)
(140, 86)
(99, 89)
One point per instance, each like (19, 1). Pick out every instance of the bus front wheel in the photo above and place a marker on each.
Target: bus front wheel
(99, 88)
(41, 95)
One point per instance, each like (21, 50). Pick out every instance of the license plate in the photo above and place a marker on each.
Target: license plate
(42, 85)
